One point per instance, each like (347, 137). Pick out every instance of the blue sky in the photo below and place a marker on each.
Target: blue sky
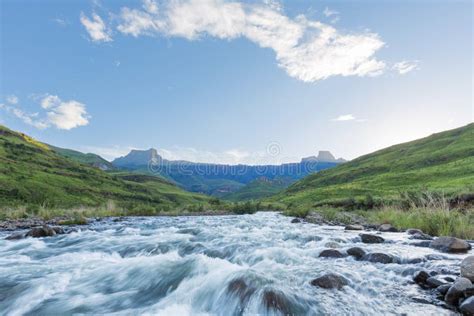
(218, 81)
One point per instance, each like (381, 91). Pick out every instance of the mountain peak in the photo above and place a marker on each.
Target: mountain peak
(323, 156)
(138, 157)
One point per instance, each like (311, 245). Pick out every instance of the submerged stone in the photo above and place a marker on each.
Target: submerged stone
(356, 252)
(330, 281)
(371, 239)
(331, 253)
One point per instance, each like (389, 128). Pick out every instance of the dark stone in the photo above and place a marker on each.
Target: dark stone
(378, 257)
(412, 231)
(387, 228)
(420, 277)
(433, 282)
(59, 230)
(450, 244)
(240, 288)
(44, 231)
(467, 306)
(455, 292)
(467, 268)
(276, 301)
(371, 239)
(449, 279)
(15, 236)
(443, 289)
(416, 260)
(296, 220)
(330, 281)
(424, 244)
(356, 252)
(331, 253)
(421, 236)
(469, 291)
(354, 227)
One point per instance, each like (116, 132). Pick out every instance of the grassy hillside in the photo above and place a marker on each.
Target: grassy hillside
(88, 159)
(443, 162)
(32, 173)
(258, 189)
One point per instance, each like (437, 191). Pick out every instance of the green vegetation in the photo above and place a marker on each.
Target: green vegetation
(88, 159)
(442, 163)
(36, 180)
(258, 189)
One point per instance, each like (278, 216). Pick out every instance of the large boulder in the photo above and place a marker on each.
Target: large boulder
(434, 282)
(467, 268)
(356, 252)
(450, 244)
(467, 306)
(371, 239)
(387, 228)
(455, 292)
(331, 253)
(330, 281)
(354, 227)
(378, 257)
(43, 231)
(276, 301)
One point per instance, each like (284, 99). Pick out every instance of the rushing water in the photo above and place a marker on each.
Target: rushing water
(222, 265)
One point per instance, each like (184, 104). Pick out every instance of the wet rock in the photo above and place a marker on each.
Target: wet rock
(455, 292)
(354, 227)
(413, 231)
(420, 277)
(43, 231)
(450, 244)
(467, 268)
(59, 230)
(240, 288)
(443, 289)
(378, 257)
(371, 239)
(469, 291)
(449, 279)
(416, 260)
(421, 236)
(467, 306)
(424, 244)
(356, 252)
(296, 220)
(433, 282)
(331, 253)
(332, 244)
(387, 228)
(15, 236)
(276, 301)
(330, 281)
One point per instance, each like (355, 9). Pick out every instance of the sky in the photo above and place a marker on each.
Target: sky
(235, 82)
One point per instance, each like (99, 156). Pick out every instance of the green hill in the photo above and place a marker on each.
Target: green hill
(258, 189)
(442, 162)
(88, 159)
(33, 173)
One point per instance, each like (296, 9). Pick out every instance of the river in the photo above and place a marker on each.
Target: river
(210, 265)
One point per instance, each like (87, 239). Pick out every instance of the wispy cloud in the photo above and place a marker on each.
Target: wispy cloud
(12, 99)
(348, 117)
(61, 114)
(96, 28)
(61, 22)
(405, 66)
(306, 49)
(333, 14)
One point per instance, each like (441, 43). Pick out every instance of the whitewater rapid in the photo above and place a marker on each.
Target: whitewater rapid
(209, 265)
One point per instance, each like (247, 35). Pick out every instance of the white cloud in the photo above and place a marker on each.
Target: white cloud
(346, 117)
(405, 66)
(307, 50)
(96, 28)
(61, 22)
(12, 99)
(60, 114)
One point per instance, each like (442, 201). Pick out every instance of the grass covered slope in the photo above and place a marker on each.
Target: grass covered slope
(258, 189)
(88, 159)
(32, 173)
(442, 162)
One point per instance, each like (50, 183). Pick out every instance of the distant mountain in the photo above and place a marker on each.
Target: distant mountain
(442, 162)
(219, 179)
(34, 173)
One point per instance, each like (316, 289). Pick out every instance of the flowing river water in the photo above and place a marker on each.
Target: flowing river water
(210, 265)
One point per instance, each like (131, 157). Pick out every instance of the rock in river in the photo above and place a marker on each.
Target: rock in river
(371, 239)
(387, 228)
(356, 252)
(330, 281)
(331, 253)
(421, 277)
(467, 268)
(467, 306)
(378, 257)
(450, 244)
(43, 231)
(455, 292)
(354, 227)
